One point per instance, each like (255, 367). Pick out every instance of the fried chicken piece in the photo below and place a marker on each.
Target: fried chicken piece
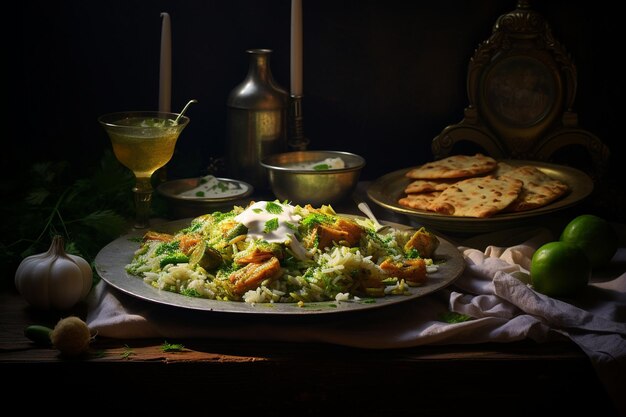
(424, 242)
(250, 276)
(342, 232)
(156, 236)
(412, 270)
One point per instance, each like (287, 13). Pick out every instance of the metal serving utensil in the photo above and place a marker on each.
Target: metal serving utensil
(365, 209)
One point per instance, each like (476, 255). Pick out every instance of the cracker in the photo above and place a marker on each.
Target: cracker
(477, 197)
(419, 201)
(539, 188)
(456, 166)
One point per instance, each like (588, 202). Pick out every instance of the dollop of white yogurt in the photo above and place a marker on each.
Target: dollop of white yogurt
(270, 220)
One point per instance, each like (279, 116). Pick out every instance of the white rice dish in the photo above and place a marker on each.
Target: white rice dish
(272, 252)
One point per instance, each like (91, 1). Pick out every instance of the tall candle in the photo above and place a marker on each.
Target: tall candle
(165, 74)
(296, 47)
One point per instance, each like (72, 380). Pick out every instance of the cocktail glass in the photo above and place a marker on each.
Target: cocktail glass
(143, 141)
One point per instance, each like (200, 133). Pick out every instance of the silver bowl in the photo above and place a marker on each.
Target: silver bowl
(291, 182)
(183, 207)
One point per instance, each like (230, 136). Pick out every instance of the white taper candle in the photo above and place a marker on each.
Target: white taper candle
(296, 47)
(165, 74)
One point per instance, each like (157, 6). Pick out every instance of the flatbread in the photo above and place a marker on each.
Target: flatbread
(477, 197)
(419, 201)
(502, 168)
(456, 166)
(426, 186)
(539, 189)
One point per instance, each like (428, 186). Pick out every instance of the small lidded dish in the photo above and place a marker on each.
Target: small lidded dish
(193, 197)
(313, 177)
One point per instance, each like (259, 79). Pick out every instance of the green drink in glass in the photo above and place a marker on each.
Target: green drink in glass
(143, 141)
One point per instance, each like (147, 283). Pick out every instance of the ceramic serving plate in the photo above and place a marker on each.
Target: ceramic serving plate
(112, 259)
(388, 189)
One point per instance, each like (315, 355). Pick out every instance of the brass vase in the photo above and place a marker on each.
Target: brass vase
(257, 121)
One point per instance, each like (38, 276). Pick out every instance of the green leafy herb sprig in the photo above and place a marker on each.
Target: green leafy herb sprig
(127, 352)
(172, 347)
(271, 225)
(451, 317)
(88, 212)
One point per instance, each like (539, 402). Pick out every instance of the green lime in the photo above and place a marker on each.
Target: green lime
(594, 235)
(559, 269)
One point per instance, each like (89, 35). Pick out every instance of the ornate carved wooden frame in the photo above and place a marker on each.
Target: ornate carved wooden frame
(521, 86)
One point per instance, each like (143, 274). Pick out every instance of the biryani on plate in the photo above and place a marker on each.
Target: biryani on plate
(280, 253)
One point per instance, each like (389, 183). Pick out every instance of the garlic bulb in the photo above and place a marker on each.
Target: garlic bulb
(54, 279)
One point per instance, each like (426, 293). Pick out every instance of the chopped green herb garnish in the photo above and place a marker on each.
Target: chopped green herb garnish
(136, 239)
(167, 247)
(319, 305)
(219, 216)
(270, 225)
(190, 292)
(195, 227)
(127, 353)
(314, 219)
(321, 167)
(257, 210)
(203, 181)
(273, 208)
(172, 347)
(451, 317)
(199, 193)
(412, 254)
(291, 226)
(222, 186)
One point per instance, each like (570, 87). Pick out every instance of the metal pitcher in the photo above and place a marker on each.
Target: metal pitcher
(257, 121)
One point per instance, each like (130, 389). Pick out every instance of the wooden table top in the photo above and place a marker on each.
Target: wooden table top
(313, 378)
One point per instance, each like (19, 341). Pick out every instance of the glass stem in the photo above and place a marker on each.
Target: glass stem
(143, 198)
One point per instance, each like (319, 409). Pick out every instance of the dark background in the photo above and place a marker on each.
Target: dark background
(381, 78)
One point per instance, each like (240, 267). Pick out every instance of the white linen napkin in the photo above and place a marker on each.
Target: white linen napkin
(503, 309)
(595, 320)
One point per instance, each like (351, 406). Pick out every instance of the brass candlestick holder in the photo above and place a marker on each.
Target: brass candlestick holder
(296, 141)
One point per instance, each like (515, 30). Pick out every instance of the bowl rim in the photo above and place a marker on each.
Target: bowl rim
(266, 163)
(163, 190)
